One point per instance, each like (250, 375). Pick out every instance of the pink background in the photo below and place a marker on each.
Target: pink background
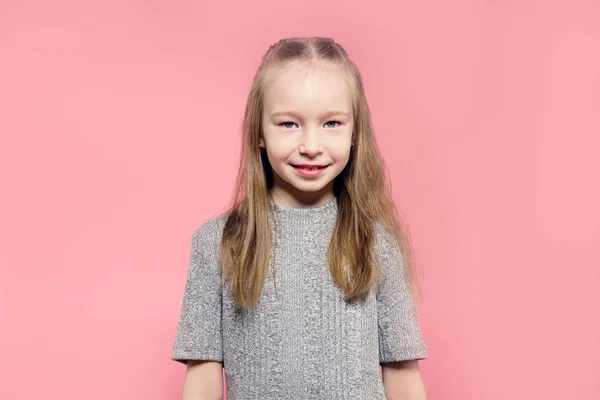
(120, 128)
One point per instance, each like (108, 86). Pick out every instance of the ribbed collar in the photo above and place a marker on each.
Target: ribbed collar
(320, 214)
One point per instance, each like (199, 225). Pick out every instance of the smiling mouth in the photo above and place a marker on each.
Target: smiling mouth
(310, 168)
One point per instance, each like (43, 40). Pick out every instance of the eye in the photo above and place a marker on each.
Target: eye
(283, 123)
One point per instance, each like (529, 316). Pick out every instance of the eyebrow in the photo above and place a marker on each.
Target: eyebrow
(291, 113)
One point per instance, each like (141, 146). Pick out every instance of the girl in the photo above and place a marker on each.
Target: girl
(302, 289)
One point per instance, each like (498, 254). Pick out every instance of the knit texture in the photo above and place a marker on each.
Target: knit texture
(303, 340)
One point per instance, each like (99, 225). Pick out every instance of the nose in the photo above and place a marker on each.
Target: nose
(311, 143)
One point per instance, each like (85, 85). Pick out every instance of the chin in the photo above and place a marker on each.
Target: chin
(304, 186)
(309, 188)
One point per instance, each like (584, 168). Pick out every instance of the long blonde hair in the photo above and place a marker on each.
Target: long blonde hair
(362, 189)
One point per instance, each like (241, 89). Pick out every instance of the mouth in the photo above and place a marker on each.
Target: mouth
(305, 167)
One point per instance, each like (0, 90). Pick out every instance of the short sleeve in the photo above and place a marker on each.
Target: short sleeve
(400, 335)
(199, 335)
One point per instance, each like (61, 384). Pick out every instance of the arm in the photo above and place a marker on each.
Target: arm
(401, 343)
(198, 342)
(203, 381)
(402, 381)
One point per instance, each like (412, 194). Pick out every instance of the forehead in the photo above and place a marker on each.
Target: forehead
(306, 89)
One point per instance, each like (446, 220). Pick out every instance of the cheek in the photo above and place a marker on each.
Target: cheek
(279, 147)
(278, 154)
(342, 157)
(340, 151)
(339, 143)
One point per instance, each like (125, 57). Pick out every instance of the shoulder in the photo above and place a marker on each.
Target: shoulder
(388, 254)
(385, 241)
(208, 235)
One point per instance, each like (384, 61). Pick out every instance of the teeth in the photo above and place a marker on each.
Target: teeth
(309, 168)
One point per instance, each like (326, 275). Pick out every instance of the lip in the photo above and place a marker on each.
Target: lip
(309, 174)
(308, 165)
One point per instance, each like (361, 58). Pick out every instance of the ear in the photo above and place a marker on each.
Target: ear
(262, 142)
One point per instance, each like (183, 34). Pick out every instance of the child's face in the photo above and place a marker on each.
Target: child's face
(307, 133)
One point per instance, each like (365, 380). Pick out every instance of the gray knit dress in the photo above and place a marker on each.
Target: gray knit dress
(303, 340)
